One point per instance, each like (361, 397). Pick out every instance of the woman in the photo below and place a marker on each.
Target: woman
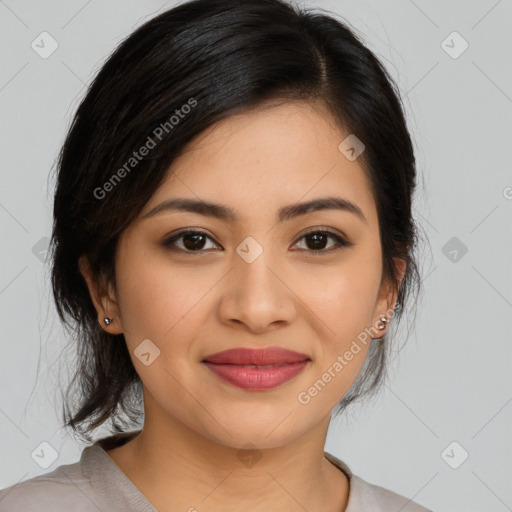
(232, 238)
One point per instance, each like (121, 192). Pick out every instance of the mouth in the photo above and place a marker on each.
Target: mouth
(256, 369)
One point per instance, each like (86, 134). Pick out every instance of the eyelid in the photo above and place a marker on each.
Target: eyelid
(169, 240)
(323, 229)
(342, 241)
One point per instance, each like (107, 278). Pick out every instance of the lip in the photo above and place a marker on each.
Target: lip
(256, 369)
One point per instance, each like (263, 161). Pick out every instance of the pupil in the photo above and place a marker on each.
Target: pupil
(192, 245)
(316, 237)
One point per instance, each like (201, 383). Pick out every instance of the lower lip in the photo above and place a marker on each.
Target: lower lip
(256, 378)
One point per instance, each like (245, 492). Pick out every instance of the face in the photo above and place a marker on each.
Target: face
(307, 281)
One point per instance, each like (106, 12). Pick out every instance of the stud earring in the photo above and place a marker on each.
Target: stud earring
(108, 321)
(383, 322)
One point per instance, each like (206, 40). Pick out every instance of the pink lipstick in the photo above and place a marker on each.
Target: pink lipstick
(256, 369)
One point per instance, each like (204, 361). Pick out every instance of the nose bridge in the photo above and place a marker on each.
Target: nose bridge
(257, 295)
(253, 263)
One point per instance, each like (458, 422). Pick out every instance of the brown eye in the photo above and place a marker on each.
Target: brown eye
(316, 242)
(192, 241)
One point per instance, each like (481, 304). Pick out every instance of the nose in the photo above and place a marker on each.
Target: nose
(258, 294)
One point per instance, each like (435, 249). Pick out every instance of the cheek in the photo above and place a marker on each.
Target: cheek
(342, 303)
(161, 303)
(343, 300)
(158, 300)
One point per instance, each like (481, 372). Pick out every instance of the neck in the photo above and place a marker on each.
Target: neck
(173, 465)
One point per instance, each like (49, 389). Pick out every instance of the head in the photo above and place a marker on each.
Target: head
(253, 107)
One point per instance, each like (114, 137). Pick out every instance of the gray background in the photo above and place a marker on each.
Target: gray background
(450, 383)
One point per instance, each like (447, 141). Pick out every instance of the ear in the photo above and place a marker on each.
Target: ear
(104, 300)
(388, 296)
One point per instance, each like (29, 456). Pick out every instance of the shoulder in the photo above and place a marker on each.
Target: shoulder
(367, 496)
(92, 483)
(65, 488)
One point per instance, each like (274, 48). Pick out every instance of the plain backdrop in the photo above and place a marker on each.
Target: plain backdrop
(440, 431)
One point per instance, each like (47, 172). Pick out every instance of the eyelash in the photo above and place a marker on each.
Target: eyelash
(342, 243)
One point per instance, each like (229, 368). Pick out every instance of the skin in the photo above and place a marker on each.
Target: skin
(194, 304)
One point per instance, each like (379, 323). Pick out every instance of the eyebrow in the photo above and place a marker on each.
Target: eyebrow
(285, 213)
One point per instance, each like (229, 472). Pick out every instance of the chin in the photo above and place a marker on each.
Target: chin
(259, 432)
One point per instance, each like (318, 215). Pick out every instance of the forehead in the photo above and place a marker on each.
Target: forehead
(259, 160)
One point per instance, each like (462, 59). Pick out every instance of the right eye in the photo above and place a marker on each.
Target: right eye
(191, 241)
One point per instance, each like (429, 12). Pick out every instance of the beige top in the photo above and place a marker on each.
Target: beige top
(96, 484)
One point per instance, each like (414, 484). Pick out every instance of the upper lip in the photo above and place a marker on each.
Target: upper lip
(258, 356)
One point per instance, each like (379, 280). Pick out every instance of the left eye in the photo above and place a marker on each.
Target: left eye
(195, 241)
(318, 240)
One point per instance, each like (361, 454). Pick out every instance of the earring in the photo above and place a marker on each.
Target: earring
(383, 322)
(108, 321)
